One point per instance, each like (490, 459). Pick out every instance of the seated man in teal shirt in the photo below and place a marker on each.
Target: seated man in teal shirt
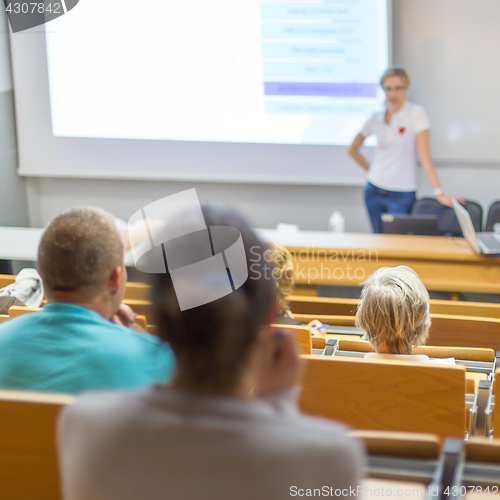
(71, 345)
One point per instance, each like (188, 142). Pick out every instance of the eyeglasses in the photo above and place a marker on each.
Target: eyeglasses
(397, 89)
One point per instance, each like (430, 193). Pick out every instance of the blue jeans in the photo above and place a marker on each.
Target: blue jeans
(379, 201)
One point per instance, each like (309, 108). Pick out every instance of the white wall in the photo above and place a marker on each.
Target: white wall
(13, 206)
(307, 206)
(265, 206)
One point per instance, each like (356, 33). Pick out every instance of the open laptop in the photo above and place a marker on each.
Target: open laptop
(410, 224)
(482, 243)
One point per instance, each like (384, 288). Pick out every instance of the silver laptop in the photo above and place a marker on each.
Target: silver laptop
(482, 243)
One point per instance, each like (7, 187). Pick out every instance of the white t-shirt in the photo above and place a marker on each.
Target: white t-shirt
(421, 358)
(394, 166)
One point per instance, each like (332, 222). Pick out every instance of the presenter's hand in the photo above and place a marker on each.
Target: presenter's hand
(280, 366)
(446, 200)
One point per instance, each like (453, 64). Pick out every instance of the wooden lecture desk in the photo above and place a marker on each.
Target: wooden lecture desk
(346, 259)
(21, 243)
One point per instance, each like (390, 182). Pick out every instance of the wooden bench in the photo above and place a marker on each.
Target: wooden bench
(305, 338)
(459, 331)
(347, 307)
(459, 353)
(386, 395)
(482, 465)
(400, 444)
(7, 279)
(137, 291)
(496, 411)
(28, 459)
(465, 353)
(464, 331)
(142, 308)
(16, 311)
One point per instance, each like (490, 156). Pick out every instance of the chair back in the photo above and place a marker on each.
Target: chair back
(28, 459)
(400, 444)
(493, 215)
(15, 311)
(7, 279)
(302, 335)
(481, 449)
(496, 412)
(386, 395)
(322, 305)
(463, 308)
(447, 220)
(141, 321)
(142, 308)
(462, 353)
(354, 345)
(328, 319)
(137, 291)
(464, 331)
(330, 306)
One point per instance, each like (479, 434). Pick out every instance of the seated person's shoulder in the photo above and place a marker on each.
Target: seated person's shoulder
(125, 345)
(123, 340)
(315, 443)
(296, 431)
(97, 406)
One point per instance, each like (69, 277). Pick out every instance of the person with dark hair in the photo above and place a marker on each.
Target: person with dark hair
(227, 427)
(71, 345)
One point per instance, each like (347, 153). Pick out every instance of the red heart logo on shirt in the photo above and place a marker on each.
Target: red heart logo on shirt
(402, 130)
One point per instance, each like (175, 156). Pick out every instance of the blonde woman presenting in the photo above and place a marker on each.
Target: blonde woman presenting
(402, 131)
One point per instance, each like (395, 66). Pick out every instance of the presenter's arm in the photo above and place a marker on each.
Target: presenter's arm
(424, 153)
(353, 151)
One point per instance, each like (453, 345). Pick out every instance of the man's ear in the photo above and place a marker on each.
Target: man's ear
(115, 280)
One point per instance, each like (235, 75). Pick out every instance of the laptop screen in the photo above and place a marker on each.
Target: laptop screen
(466, 225)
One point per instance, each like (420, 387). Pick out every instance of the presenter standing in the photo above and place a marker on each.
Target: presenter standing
(402, 131)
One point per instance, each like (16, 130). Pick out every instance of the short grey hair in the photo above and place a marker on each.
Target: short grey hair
(78, 251)
(394, 309)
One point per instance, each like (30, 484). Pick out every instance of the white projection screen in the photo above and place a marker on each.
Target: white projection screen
(254, 91)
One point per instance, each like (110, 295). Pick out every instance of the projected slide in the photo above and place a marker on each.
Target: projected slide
(282, 72)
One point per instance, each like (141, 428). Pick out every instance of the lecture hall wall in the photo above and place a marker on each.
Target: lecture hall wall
(13, 206)
(264, 205)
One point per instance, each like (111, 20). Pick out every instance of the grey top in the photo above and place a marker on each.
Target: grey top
(162, 443)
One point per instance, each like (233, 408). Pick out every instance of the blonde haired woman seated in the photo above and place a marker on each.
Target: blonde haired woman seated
(394, 313)
(283, 275)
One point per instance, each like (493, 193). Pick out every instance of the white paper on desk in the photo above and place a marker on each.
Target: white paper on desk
(443, 361)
